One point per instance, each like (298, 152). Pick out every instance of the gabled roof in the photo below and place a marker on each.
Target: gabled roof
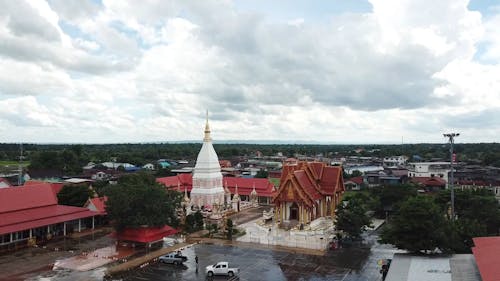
(32, 206)
(97, 204)
(486, 252)
(263, 187)
(356, 180)
(314, 179)
(184, 181)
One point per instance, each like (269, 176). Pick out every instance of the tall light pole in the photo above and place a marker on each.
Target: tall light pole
(451, 137)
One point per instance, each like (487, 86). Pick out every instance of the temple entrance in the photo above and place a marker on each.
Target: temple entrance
(294, 211)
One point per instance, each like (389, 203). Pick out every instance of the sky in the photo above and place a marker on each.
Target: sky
(357, 71)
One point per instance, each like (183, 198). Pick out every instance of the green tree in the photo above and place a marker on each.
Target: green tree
(352, 217)
(263, 174)
(198, 218)
(139, 200)
(391, 197)
(419, 225)
(474, 205)
(459, 235)
(74, 195)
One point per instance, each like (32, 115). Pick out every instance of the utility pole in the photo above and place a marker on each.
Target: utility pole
(451, 138)
(20, 177)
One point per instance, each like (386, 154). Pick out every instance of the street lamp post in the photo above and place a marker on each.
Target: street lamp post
(451, 137)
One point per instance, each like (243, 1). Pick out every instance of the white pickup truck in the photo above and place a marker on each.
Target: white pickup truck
(221, 268)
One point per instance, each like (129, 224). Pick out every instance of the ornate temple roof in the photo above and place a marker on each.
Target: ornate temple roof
(309, 181)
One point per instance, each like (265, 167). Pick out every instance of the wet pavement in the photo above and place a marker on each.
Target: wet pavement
(356, 263)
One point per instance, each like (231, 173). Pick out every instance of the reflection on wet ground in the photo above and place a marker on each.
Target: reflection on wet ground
(257, 264)
(357, 263)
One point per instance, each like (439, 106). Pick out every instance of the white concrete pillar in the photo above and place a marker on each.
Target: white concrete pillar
(11, 237)
(79, 225)
(64, 231)
(31, 232)
(93, 222)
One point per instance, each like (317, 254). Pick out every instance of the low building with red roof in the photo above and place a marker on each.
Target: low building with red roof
(354, 183)
(31, 213)
(243, 186)
(430, 184)
(308, 190)
(145, 234)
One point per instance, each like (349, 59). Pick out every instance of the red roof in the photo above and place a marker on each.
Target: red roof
(181, 180)
(356, 180)
(32, 206)
(97, 204)
(429, 181)
(26, 197)
(56, 186)
(145, 234)
(263, 187)
(486, 252)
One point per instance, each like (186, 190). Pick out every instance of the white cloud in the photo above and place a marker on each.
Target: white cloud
(119, 71)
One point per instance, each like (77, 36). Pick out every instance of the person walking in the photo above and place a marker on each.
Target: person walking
(196, 260)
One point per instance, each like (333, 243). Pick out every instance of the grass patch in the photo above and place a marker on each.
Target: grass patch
(13, 163)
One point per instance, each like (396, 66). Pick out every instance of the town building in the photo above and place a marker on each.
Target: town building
(429, 169)
(308, 191)
(395, 161)
(207, 177)
(30, 215)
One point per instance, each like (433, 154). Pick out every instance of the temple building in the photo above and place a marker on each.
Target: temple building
(207, 177)
(308, 191)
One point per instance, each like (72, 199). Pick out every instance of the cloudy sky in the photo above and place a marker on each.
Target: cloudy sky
(337, 71)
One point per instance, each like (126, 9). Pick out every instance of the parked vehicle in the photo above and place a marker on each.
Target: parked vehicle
(221, 268)
(173, 258)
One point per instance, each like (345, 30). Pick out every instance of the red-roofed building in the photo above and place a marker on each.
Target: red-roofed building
(97, 204)
(486, 253)
(430, 184)
(145, 234)
(354, 183)
(263, 187)
(31, 212)
(308, 190)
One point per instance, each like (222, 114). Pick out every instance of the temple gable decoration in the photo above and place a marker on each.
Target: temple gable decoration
(307, 191)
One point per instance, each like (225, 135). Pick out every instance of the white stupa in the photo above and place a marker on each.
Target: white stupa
(207, 178)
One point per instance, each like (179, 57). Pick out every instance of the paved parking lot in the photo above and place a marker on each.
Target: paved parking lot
(254, 264)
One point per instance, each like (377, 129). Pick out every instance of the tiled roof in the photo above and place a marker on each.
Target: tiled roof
(356, 180)
(315, 179)
(98, 203)
(263, 187)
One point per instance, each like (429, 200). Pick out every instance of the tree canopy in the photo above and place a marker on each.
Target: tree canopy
(139, 200)
(74, 195)
(352, 217)
(418, 226)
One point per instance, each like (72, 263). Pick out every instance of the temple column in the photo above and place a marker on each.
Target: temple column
(79, 225)
(64, 231)
(300, 214)
(31, 232)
